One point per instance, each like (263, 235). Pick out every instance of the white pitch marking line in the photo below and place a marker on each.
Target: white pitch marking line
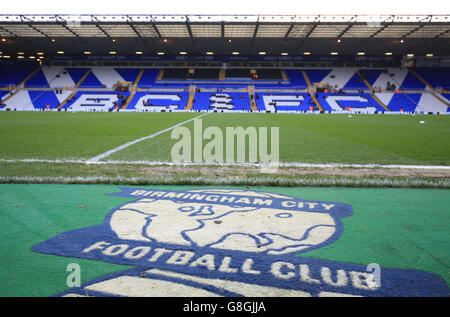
(281, 164)
(97, 158)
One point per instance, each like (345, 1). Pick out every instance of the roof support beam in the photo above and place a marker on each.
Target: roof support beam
(313, 27)
(28, 22)
(188, 26)
(95, 20)
(423, 43)
(384, 27)
(350, 25)
(152, 22)
(129, 22)
(254, 32)
(63, 23)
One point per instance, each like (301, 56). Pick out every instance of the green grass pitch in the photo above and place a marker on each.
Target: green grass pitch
(319, 138)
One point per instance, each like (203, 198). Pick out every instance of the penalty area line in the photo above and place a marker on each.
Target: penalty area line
(97, 158)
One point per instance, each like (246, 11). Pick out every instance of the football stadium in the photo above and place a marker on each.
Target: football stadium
(230, 155)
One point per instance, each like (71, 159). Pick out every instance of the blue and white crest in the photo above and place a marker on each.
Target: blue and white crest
(230, 220)
(227, 242)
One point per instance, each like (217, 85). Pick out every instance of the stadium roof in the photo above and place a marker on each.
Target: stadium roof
(225, 34)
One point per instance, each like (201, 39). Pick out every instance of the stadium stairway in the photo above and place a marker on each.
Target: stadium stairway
(313, 97)
(21, 84)
(428, 102)
(192, 90)
(133, 91)
(372, 90)
(160, 75)
(74, 89)
(251, 95)
(222, 74)
(107, 76)
(430, 87)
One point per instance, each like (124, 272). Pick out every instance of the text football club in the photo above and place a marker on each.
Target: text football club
(227, 242)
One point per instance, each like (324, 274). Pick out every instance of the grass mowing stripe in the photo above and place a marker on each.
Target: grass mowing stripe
(78, 136)
(123, 146)
(362, 139)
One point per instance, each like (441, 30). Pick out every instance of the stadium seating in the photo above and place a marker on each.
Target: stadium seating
(436, 77)
(148, 78)
(282, 102)
(238, 73)
(154, 101)
(107, 76)
(41, 99)
(175, 73)
(93, 88)
(20, 101)
(212, 74)
(396, 102)
(95, 101)
(3, 94)
(57, 77)
(14, 74)
(355, 101)
(296, 78)
(238, 101)
(38, 80)
(269, 74)
(128, 74)
(411, 82)
(357, 83)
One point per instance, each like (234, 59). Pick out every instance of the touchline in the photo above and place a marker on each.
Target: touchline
(228, 146)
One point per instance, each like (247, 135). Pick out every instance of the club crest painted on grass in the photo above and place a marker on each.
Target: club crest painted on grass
(227, 242)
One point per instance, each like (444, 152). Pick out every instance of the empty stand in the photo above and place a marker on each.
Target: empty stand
(354, 102)
(357, 81)
(436, 77)
(175, 73)
(269, 74)
(155, 101)
(286, 102)
(206, 73)
(148, 78)
(207, 89)
(296, 78)
(107, 76)
(15, 74)
(238, 101)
